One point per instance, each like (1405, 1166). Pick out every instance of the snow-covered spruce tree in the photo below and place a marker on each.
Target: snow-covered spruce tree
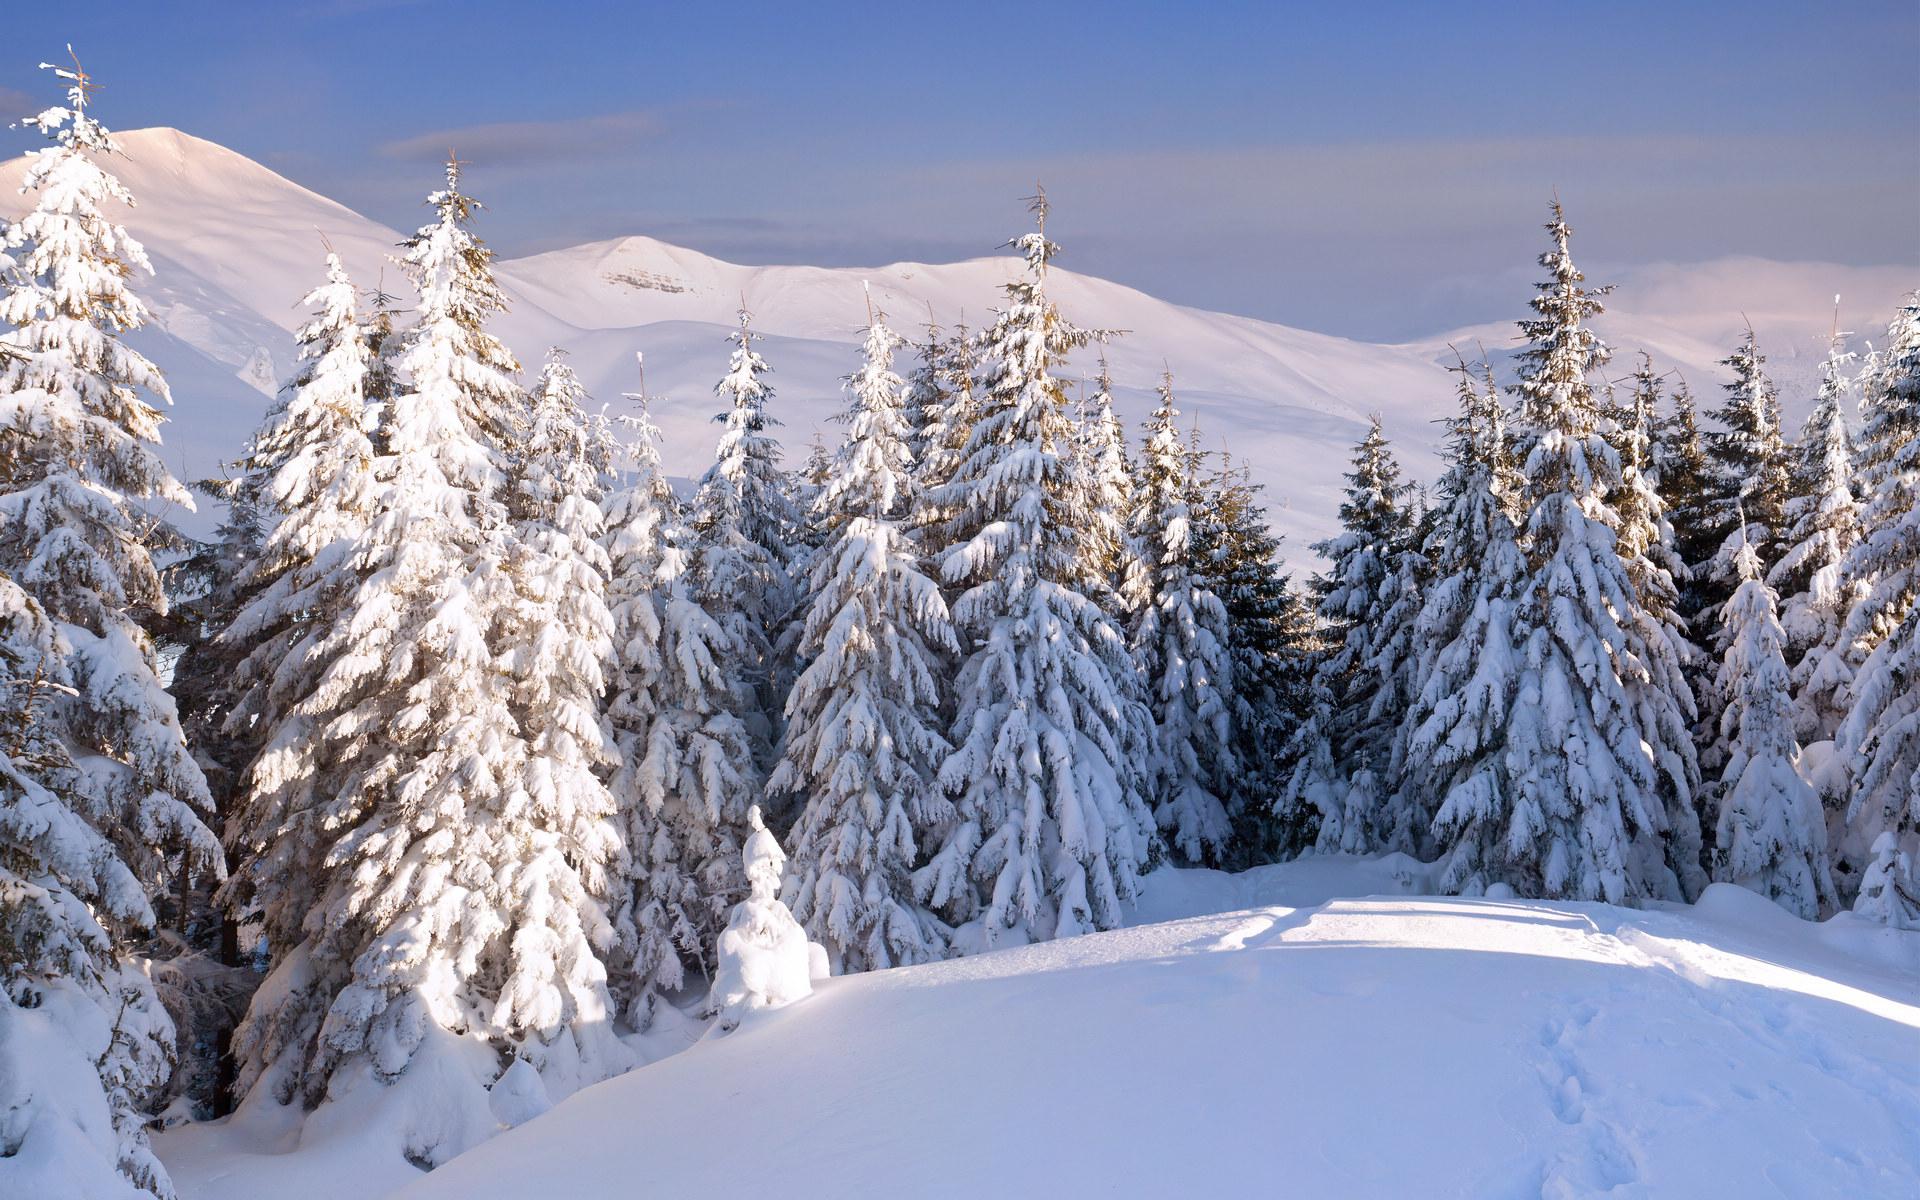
(1823, 525)
(84, 1041)
(943, 435)
(1749, 464)
(310, 468)
(1179, 642)
(1465, 671)
(1771, 835)
(744, 524)
(117, 809)
(1368, 604)
(864, 742)
(925, 398)
(1050, 830)
(207, 586)
(1682, 470)
(1643, 537)
(803, 488)
(1889, 424)
(455, 920)
(1269, 630)
(556, 635)
(1878, 745)
(685, 777)
(1110, 480)
(1890, 396)
(1576, 781)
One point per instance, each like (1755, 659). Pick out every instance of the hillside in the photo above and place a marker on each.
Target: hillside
(1485, 1048)
(235, 246)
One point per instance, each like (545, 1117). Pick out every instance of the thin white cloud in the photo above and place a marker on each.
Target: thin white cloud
(513, 143)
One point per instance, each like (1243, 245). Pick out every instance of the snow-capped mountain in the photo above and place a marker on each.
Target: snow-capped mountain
(236, 245)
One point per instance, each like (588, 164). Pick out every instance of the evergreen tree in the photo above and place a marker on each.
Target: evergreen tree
(1103, 458)
(1558, 804)
(944, 433)
(1682, 468)
(1465, 672)
(311, 469)
(1749, 466)
(1824, 525)
(685, 777)
(270, 580)
(100, 800)
(1179, 641)
(1644, 539)
(557, 637)
(1889, 414)
(1771, 835)
(1878, 745)
(1269, 627)
(1368, 604)
(863, 743)
(925, 399)
(743, 522)
(450, 905)
(1050, 830)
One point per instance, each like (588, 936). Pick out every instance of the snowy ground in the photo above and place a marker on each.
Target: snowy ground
(1291, 1043)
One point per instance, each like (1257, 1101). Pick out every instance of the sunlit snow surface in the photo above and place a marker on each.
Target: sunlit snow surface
(1373, 1046)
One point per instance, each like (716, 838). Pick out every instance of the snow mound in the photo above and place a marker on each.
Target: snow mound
(765, 960)
(1380, 1047)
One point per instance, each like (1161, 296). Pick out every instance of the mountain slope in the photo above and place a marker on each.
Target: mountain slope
(235, 246)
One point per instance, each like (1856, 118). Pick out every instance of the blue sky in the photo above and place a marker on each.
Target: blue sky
(1375, 170)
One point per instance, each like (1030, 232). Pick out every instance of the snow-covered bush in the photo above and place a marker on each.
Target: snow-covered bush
(765, 959)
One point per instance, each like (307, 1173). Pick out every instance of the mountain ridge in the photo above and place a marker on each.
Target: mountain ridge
(235, 245)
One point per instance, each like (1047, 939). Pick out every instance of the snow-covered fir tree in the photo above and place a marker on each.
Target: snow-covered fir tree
(1180, 647)
(685, 777)
(1749, 463)
(269, 582)
(943, 434)
(1770, 835)
(1878, 744)
(1683, 471)
(1823, 525)
(1110, 478)
(311, 468)
(100, 801)
(451, 909)
(864, 738)
(1889, 414)
(1269, 633)
(925, 398)
(1368, 604)
(75, 1005)
(556, 634)
(1465, 671)
(1051, 829)
(744, 523)
(1643, 537)
(1576, 781)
